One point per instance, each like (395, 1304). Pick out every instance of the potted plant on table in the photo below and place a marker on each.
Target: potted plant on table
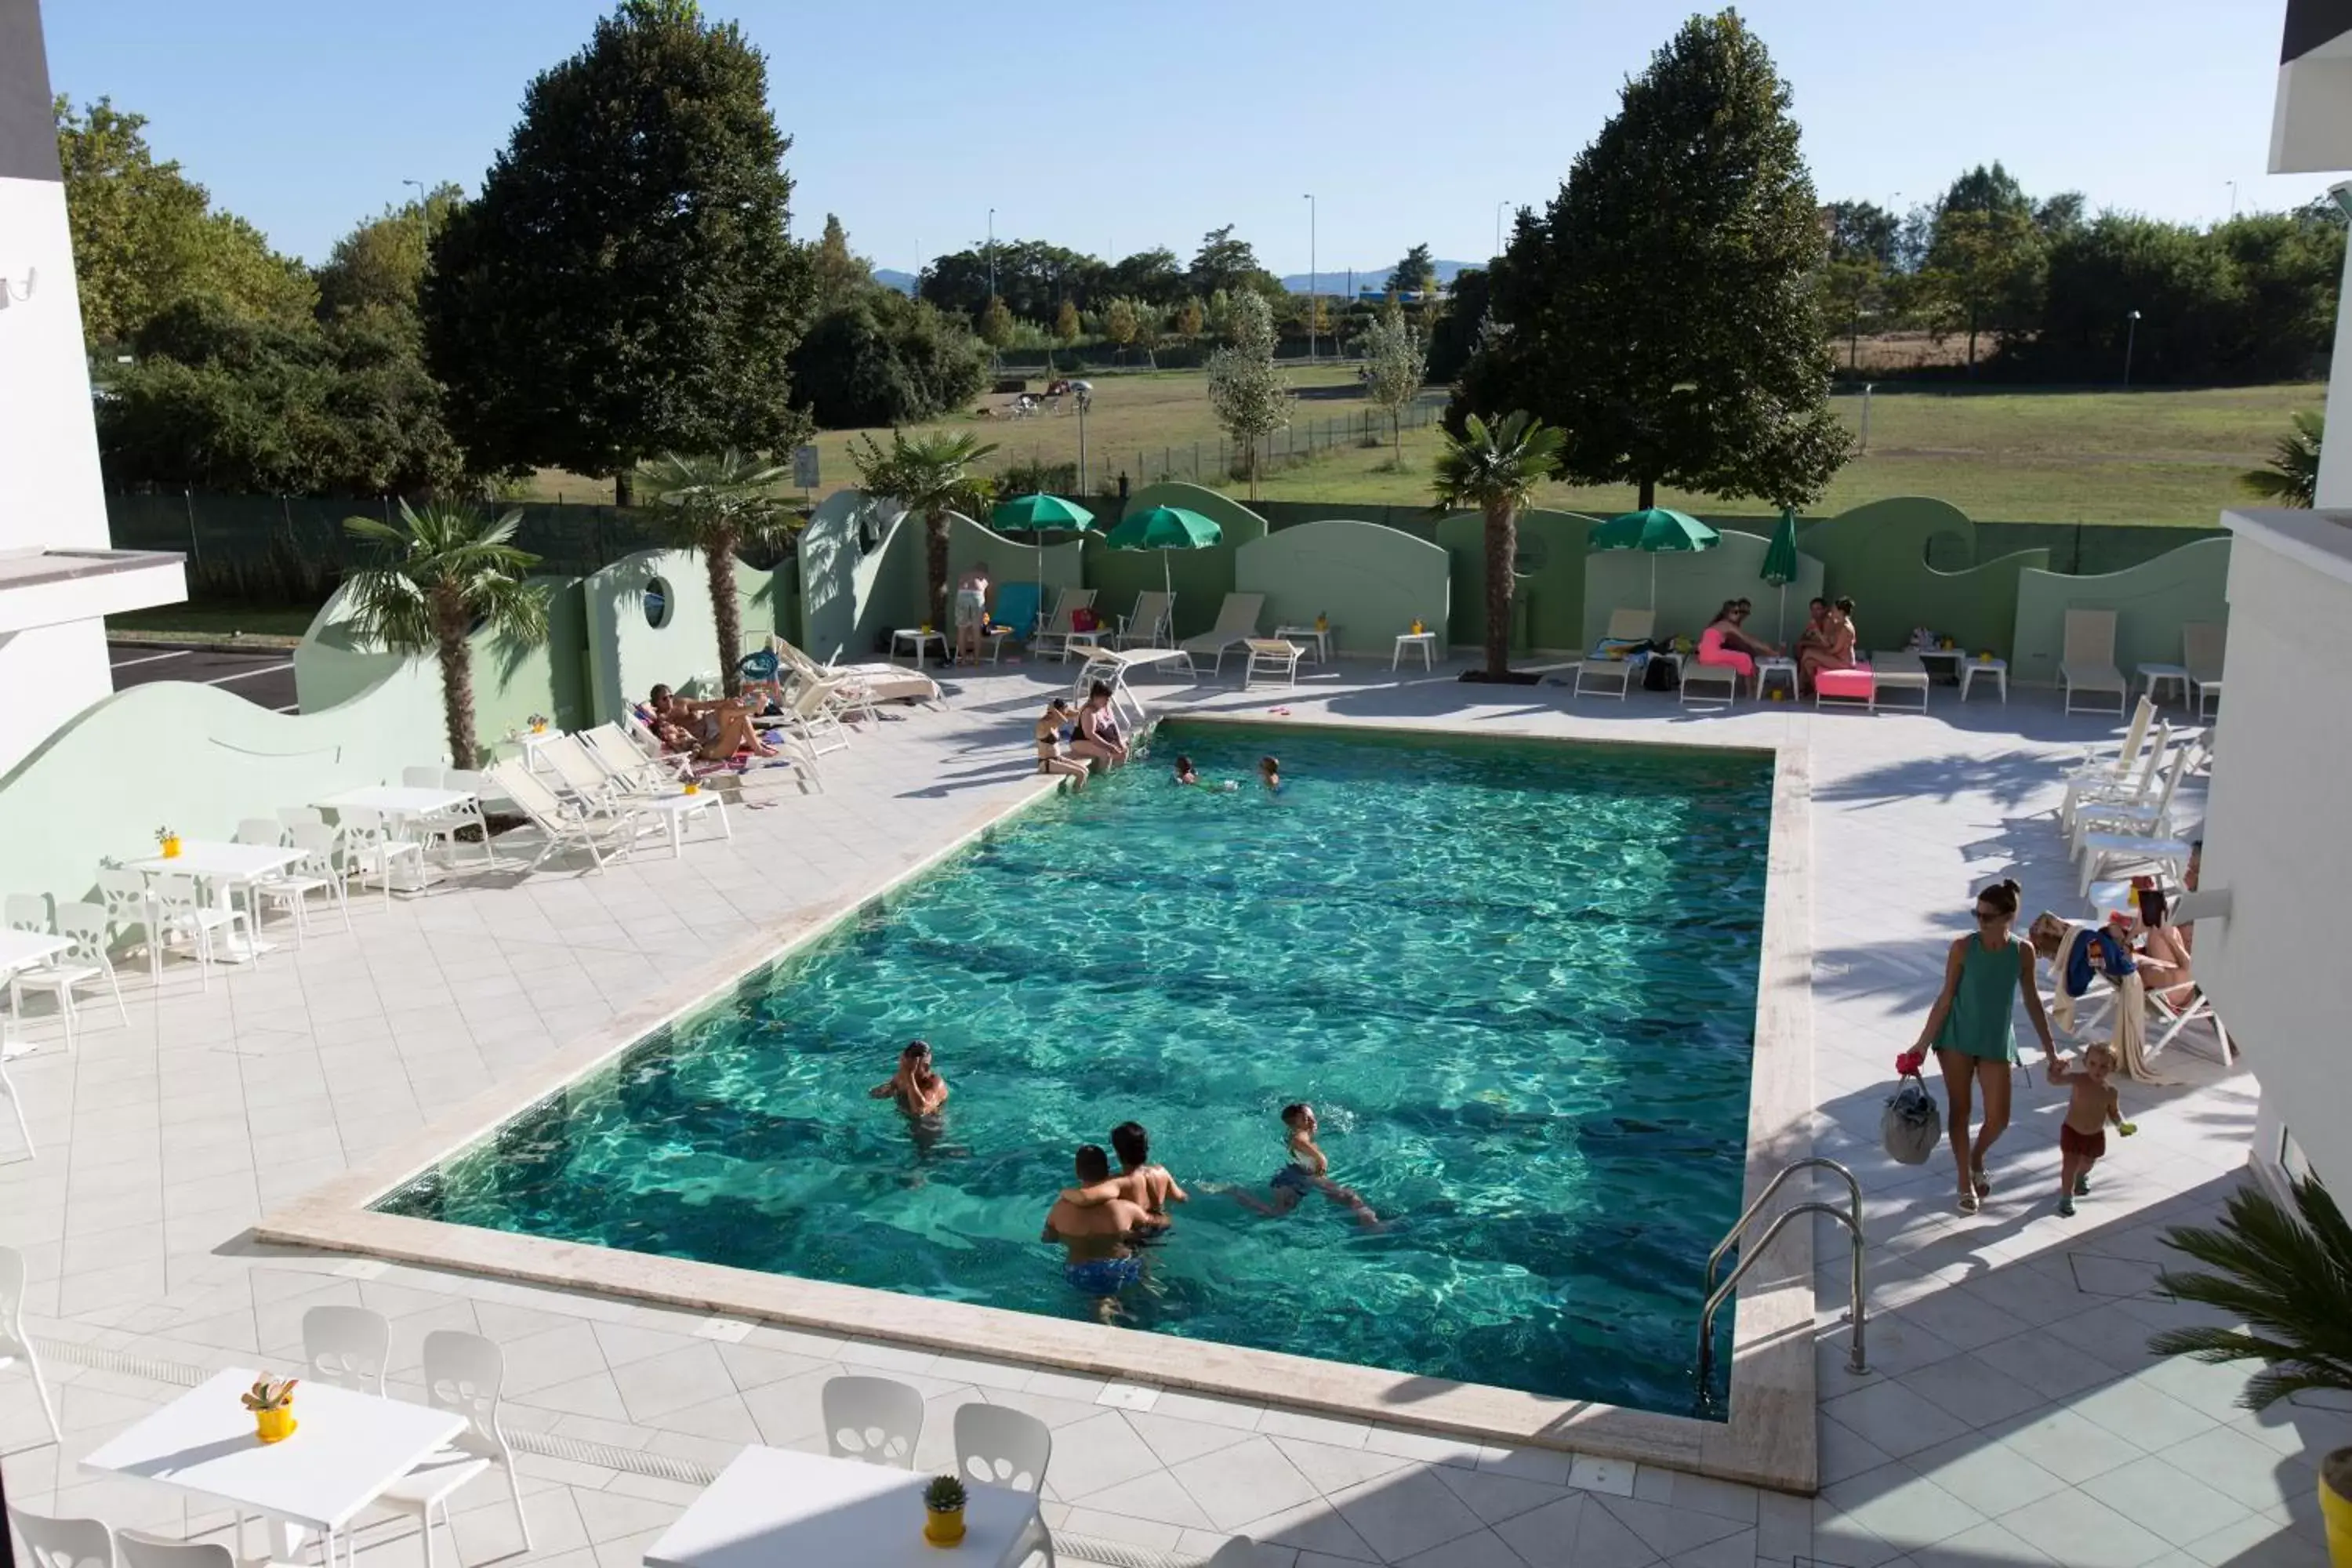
(2287, 1274)
(167, 842)
(943, 1502)
(271, 1400)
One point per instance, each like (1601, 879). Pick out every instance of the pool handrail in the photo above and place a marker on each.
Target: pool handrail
(1850, 1217)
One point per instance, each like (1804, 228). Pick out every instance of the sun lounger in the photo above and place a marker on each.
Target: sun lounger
(1062, 625)
(860, 685)
(2087, 662)
(1148, 624)
(1272, 659)
(1859, 684)
(1237, 620)
(2202, 644)
(1709, 683)
(1606, 667)
(600, 829)
(1898, 671)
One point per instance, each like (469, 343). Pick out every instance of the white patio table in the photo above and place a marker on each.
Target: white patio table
(774, 1506)
(346, 1449)
(221, 867)
(402, 805)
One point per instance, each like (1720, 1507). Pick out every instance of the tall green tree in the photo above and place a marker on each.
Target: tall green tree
(625, 284)
(1985, 272)
(1416, 274)
(1225, 263)
(838, 274)
(1396, 357)
(1496, 470)
(380, 265)
(934, 475)
(1250, 397)
(1120, 320)
(715, 503)
(1661, 310)
(438, 573)
(880, 358)
(145, 237)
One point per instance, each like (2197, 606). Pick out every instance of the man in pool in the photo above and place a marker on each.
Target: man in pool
(1307, 1171)
(916, 1086)
(1141, 1180)
(1098, 1259)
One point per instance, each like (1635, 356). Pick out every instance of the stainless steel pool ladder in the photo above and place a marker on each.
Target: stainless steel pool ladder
(1849, 1217)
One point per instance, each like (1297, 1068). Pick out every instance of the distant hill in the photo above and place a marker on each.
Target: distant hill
(890, 278)
(1333, 279)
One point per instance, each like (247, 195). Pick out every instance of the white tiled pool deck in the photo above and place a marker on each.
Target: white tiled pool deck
(2011, 1415)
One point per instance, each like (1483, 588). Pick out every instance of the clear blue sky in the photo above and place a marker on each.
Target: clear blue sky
(1115, 127)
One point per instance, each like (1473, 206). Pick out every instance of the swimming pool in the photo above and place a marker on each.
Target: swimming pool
(1519, 982)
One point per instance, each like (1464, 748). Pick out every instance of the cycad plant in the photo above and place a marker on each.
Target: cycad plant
(441, 571)
(717, 504)
(1496, 470)
(2293, 477)
(933, 474)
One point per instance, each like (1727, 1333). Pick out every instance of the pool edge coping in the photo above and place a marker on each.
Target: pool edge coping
(1769, 1440)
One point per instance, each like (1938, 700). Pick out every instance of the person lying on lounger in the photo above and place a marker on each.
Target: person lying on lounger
(716, 729)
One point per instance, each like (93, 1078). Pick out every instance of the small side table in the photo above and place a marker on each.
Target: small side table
(1425, 641)
(920, 640)
(1996, 668)
(1321, 635)
(1767, 669)
(532, 742)
(2159, 675)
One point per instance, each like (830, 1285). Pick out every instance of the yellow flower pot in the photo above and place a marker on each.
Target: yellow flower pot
(274, 1426)
(691, 787)
(943, 1526)
(172, 848)
(2336, 1505)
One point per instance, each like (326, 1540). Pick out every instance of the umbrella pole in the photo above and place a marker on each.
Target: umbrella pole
(1653, 585)
(1166, 575)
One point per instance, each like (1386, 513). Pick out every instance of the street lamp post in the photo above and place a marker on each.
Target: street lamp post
(1311, 278)
(992, 256)
(2233, 200)
(2131, 341)
(1498, 224)
(1082, 445)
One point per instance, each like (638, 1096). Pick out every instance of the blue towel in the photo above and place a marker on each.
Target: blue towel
(2115, 960)
(1016, 606)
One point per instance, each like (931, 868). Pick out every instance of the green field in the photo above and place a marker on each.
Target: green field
(2156, 457)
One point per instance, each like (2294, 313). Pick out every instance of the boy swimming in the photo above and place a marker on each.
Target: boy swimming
(1309, 1171)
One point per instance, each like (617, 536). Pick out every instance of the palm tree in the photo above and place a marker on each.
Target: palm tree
(2293, 477)
(442, 572)
(1496, 470)
(716, 505)
(932, 473)
(2287, 1274)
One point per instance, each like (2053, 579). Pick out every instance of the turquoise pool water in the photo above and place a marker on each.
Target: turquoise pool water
(1518, 982)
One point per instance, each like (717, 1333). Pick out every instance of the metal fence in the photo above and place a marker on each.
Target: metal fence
(1213, 461)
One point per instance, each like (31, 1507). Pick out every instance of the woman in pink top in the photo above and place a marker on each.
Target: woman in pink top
(1722, 643)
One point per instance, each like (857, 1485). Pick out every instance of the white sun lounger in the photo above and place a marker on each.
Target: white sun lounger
(1625, 625)
(1237, 620)
(1058, 629)
(2088, 664)
(2202, 645)
(564, 824)
(1149, 623)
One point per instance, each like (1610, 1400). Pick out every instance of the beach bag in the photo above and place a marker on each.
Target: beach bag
(1658, 675)
(1085, 621)
(1913, 1122)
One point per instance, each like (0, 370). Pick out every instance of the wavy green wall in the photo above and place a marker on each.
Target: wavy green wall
(629, 655)
(1877, 555)
(1371, 581)
(1547, 579)
(1691, 586)
(1202, 578)
(2152, 602)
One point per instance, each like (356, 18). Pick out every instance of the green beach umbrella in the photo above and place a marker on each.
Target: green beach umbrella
(1653, 531)
(1780, 563)
(1039, 514)
(1164, 528)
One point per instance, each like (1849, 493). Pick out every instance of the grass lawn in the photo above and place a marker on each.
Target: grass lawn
(2154, 457)
(214, 620)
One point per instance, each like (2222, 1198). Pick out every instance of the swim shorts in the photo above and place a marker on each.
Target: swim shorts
(1103, 1275)
(2091, 1145)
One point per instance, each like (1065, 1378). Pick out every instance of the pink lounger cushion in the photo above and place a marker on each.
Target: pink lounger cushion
(1856, 684)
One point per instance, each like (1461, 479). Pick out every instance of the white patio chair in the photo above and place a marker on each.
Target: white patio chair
(1605, 674)
(2128, 789)
(291, 888)
(462, 1373)
(1272, 659)
(15, 1101)
(2106, 857)
(1150, 622)
(876, 1419)
(2088, 664)
(84, 963)
(621, 757)
(183, 911)
(812, 717)
(371, 848)
(586, 779)
(1000, 1447)
(1059, 627)
(2151, 816)
(268, 832)
(2203, 644)
(2102, 768)
(127, 902)
(137, 1549)
(349, 1347)
(1237, 619)
(564, 825)
(63, 1542)
(443, 826)
(296, 815)
(15, 1345)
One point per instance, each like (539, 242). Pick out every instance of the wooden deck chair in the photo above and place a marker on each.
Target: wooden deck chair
(1599, 672)
(2087, 662)
(2202, 645)
(1057, 628)
(1237, 620)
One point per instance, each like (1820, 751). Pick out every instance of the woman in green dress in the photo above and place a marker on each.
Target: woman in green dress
(1973, 1030)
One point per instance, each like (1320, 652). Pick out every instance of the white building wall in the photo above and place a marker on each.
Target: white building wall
(51, 494)
(2273, 837)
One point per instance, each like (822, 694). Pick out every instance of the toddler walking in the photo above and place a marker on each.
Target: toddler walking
(2082, 1136)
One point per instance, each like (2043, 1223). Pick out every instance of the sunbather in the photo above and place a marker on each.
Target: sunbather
(1052, 727)
(1831, 649)
(1098, 738)
(716, 728)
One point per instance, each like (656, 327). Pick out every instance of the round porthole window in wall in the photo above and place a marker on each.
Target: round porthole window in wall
(657, 603)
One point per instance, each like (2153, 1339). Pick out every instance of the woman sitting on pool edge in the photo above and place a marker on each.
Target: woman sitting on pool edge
(1098, 740)
(1052, 726)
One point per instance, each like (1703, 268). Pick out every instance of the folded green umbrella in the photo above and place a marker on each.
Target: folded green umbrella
(1780, 563)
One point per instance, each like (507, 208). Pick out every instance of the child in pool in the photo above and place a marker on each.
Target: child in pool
(1185, 775)
(1269, 772)
(1307, 1170)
